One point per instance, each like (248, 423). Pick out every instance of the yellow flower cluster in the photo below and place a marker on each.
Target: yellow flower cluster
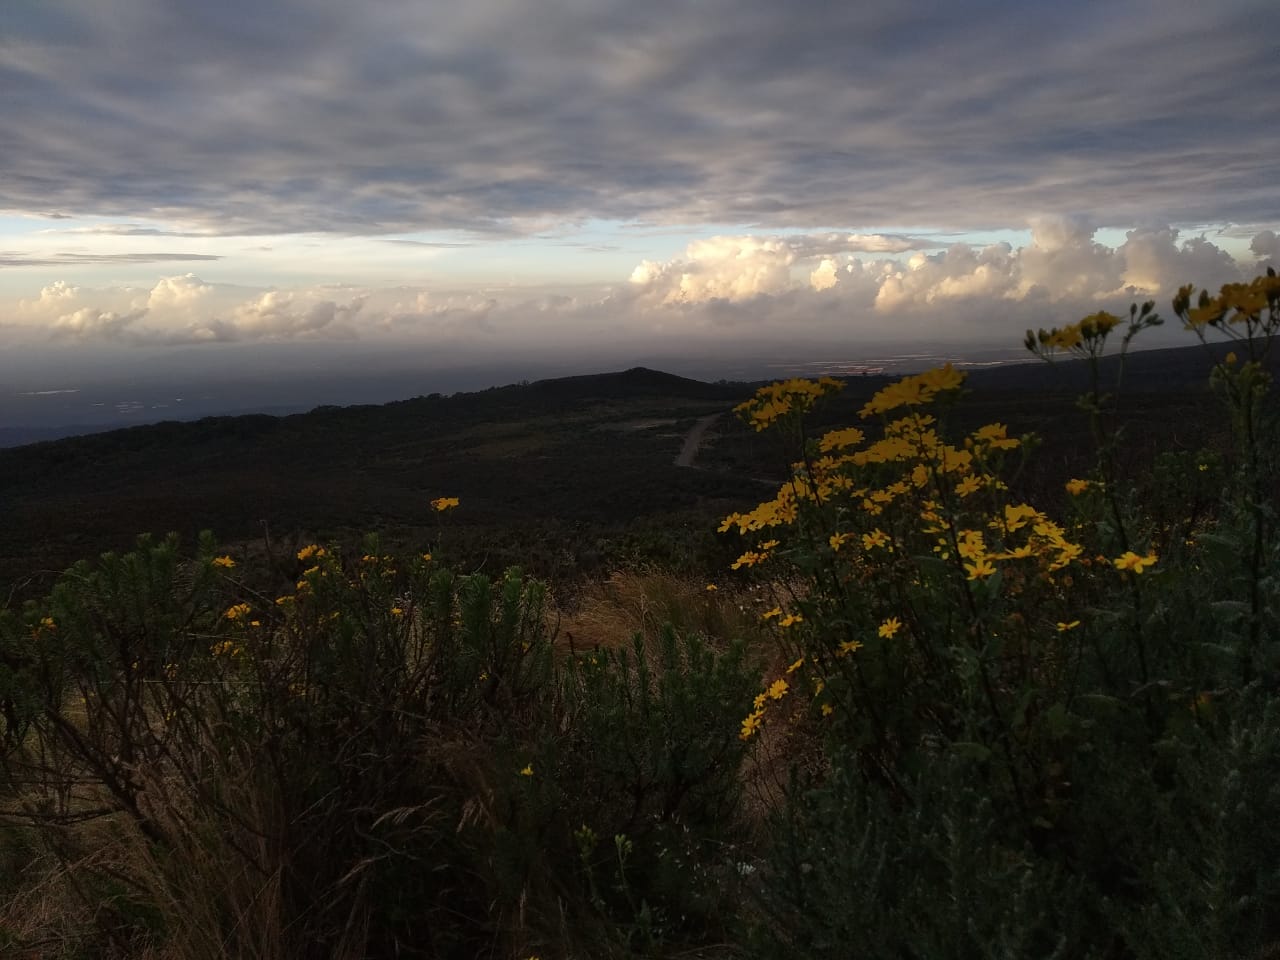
(441, 504)
(312, 552)
(1083, 337)
(224, 647)
(777, 690)
(919, 484)
(238, 612)
(224, 562)
(777, 400)
(750, 559)
(914, 391)
(1244, 302)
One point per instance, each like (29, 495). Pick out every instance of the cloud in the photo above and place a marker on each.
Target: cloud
(89, 323)
(723, 293)
(184, 309)
(960, 289)
(122, 230)
(345, 118)
(183, 293)
(1266, 247)
(58, 259)
(736, 268)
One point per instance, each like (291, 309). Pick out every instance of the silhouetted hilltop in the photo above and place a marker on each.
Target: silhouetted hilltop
(1145, 371)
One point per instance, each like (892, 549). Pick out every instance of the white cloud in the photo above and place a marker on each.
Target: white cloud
(798, 288)
(180, 293)
(1265, 245)
(738, 268)
(1062, 263)
(89, 323)
(1156, 264)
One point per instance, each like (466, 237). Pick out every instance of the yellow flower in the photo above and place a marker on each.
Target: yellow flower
(750, 724)
(847, 647)
(527, 771)
(828, 709)
(1131, 561)
(942, 378)
(1064, 627)
(1016, 517)
(311, 551)
(441, 504)
(796, 666)
(1099, 324)
(749, 559)
(790, 619)
(778, 689)
(971, 545)
(970, 484)
(979, 569)
(770, 614)
(838, 439)
(876, 538)
(225, 562)
(397, 612)
(48, 623)
(426, 557)
(1077, 487)
(994, 436)
(237, 612)
(890, 627)
(711, 587)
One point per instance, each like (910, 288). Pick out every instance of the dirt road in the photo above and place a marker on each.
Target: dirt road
(689, 452)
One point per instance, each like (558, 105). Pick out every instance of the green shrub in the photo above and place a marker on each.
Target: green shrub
(1033, 727)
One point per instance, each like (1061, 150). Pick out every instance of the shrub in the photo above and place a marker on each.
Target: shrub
(1022, 714)
(386, 759)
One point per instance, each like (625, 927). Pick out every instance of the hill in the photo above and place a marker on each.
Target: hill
(566, 474)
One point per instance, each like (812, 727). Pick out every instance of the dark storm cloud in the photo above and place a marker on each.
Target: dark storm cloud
(489, 116)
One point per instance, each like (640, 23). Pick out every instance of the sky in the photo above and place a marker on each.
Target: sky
(494, 180)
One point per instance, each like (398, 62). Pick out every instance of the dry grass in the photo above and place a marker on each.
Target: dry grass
(611, 612)
(608, 614)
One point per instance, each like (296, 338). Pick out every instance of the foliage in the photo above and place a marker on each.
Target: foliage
(1034, 726)
(385, 759)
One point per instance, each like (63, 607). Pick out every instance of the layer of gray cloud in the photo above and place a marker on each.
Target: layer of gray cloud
(377, 118)
(11, 258)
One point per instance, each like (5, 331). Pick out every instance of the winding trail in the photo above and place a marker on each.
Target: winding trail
(693, 441)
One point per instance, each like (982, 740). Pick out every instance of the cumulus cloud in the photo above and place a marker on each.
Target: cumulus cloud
(90, 323)
(178, 293)
(184, 309)
(736, 268)
(791, 288)
(1265, 245)
(1062, 263)
(722, 268)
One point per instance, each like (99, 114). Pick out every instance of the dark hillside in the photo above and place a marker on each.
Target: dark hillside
(566, 474)
(543, 469)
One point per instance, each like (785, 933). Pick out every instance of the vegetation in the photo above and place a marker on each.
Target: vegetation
(943, 704)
